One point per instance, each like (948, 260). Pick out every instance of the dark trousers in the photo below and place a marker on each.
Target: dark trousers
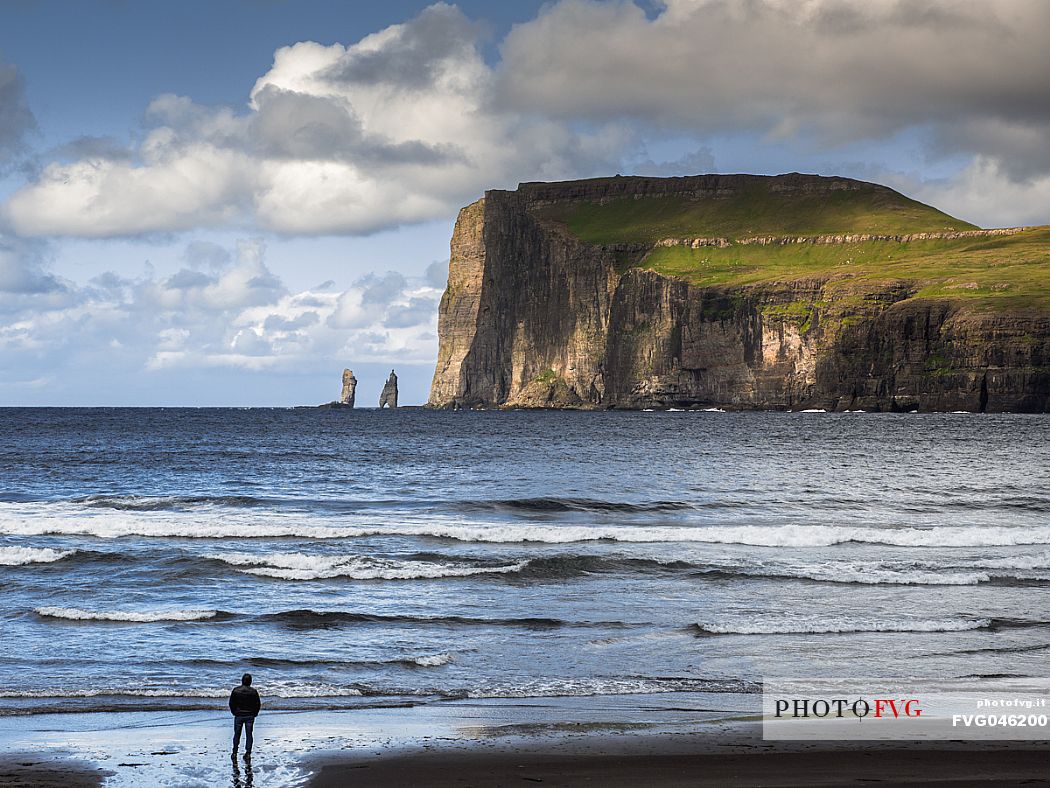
(246, 721)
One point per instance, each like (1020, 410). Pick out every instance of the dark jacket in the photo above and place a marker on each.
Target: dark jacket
(244, 702)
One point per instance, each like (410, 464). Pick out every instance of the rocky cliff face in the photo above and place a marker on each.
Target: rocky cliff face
(534, 317)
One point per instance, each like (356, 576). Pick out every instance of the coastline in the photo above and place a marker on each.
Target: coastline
(674, 739)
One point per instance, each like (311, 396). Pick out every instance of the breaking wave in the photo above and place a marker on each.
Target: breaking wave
(307, 619)
(295, 566)
(76, 614)
(760, 536)
(19, 556)
(304, 691)
(1019, 562)
(300, 566)
(581, 687)
(596, 686)
(433, 660)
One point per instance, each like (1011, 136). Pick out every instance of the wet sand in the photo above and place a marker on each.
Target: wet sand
(19, 770)
(613, 768)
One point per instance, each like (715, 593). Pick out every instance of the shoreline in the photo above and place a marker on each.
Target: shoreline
(673, 739)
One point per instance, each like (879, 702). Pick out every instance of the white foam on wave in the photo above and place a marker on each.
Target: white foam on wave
(300, 566)
(276, 690)
(69, 521)
(762, 536)
(586, 687)
(979, 570)
(825, 626)
(74, 522)
(432, 660)
(272, 690)
(19, 556)
(864, 575)
(76, 614)
(1036, 561)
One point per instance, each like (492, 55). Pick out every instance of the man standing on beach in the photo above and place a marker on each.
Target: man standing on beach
(244, 705)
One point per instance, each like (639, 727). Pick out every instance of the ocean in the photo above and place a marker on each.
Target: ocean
(148, 557)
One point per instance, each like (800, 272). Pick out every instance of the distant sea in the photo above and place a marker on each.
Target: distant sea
(148, 557)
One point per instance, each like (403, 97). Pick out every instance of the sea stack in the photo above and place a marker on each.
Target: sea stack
(349, 388)
(389, 395)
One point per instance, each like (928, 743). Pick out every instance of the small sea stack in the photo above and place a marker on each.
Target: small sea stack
(389, 395)
(346, 397)
(349, 388)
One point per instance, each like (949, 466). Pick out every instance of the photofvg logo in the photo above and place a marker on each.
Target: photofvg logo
(823, 708)
(866, 709)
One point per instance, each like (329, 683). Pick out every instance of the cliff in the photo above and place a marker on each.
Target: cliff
(739, 291)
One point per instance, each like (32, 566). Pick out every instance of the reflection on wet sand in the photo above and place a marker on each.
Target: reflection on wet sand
(242, 780)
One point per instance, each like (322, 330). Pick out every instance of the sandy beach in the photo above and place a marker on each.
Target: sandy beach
(672, 740)
(693, 761)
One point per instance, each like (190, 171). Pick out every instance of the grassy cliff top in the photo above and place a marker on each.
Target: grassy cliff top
(738, 207)
(1000, 272)
(1007, 272)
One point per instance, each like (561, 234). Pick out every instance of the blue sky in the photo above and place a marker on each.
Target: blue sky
(225, 203)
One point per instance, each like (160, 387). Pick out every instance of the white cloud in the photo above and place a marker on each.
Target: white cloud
(397, 128)
(409, 123)
(175, 187)
(842, 69)
(241, 316)
(985, 192)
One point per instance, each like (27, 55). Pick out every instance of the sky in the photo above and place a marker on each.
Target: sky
(226, 202)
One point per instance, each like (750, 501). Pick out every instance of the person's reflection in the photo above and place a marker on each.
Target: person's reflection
(246, 780)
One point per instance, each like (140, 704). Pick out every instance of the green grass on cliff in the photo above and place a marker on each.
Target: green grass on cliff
(754, 210)
(997, 272)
